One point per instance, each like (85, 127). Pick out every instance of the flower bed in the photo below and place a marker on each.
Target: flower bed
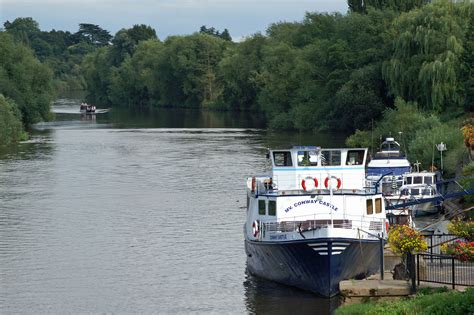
(464, 251)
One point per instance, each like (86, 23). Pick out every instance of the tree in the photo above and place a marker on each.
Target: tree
(125, 42)
(93, 34)
(426, 64)
(11, 129)
(25, 80)
(361, 6)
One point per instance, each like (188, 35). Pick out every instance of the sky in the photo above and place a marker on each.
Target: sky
(179, 17)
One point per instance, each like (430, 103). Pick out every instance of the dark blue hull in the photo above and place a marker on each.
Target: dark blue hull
(316, 265)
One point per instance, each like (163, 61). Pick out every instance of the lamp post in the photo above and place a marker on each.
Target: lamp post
(441, 147)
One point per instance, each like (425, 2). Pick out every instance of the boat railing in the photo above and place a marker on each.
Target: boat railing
(272, 187)
(321, 221)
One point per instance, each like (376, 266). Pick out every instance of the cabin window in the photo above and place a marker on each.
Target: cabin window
(409, 180)
(426, 192)
(417, 180)
(261, 207)
(272, 207)
(415, 192)
(330, 157)
(370, 207)
(355, 157)
(378, 205)
(428, 180)
(282, 158)
(404, 192)
(307, 158)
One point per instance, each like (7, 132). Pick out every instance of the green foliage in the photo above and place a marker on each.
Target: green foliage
(420, 132)
(11, 129)
(361, 6)
(25, 80)
(426, 65)
(467, 181)
(225, 35)
(438, 303)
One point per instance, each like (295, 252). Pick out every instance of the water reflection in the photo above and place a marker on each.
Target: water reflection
(268, 297)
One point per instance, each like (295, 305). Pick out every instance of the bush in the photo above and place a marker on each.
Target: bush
(403, 239)
(462, 229)
(11, 129)
(464, 251)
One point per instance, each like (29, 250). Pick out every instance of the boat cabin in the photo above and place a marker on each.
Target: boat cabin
(310, 168)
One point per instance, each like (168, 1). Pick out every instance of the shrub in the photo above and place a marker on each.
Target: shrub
(464, 251)
(403, 239)
(462, 229)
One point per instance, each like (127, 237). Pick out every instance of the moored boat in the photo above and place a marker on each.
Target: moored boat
(421, 187)
(311, 223)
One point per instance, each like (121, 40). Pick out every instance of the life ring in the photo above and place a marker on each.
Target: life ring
(309, 178)
(386, 227)
(255, 228)
(326, 182)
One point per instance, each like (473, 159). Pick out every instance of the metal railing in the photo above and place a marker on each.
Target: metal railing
(436, 240)
(319, 221)
(444, 269)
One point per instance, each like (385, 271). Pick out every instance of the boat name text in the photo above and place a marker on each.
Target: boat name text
(310, 201)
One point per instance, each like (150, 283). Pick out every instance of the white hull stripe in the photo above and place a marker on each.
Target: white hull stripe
(336, 253)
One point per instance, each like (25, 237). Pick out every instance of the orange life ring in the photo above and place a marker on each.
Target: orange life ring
(254, 183)
(326, 182)
(255, 228)
(309, 178)
(386, 227)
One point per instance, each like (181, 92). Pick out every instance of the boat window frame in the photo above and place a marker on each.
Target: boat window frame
(272, 211)
(359, 159)
(369, 206)
(378, 205)
(430, 180)
(260, 201)
(287, 159)
(332, 156)
(307, 154)
(417, 179)
(410, 178)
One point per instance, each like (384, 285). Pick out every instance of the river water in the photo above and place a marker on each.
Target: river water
(124, 212)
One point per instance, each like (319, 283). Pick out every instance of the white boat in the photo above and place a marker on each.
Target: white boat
(421, 188)
(311, 222)
(385, 170)
(87, 108)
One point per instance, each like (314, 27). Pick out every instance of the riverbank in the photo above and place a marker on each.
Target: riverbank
(427, 301)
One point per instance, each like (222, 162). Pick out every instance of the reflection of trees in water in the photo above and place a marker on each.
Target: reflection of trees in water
(38, 147)
(268, 297)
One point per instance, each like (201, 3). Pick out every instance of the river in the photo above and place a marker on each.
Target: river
(126, 212)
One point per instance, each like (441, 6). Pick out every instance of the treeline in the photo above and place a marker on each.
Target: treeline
(330, 71)
(26, 89)
(35, 66)
(61, 51)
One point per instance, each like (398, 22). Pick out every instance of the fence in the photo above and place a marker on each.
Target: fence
(436, 240)
(444, 269)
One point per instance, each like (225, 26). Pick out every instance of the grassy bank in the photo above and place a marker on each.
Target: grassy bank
(426, 302)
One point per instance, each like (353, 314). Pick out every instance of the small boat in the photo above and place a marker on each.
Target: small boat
(422, 188)
(87, 108)
(311, 223)
(387, 167)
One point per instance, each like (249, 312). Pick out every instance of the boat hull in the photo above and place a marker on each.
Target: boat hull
(316, 265)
